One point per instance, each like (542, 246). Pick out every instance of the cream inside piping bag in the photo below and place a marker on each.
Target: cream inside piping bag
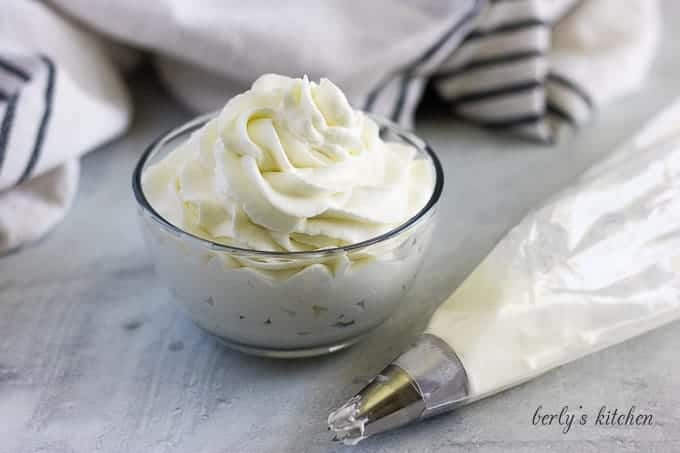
(598, 264)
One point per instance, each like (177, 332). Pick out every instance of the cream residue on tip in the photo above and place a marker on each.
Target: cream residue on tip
(289, 165)
(345, 425)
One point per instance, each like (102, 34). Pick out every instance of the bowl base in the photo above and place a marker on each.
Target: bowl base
(296, 353)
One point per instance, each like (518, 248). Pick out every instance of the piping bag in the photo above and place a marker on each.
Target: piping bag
(598, 264)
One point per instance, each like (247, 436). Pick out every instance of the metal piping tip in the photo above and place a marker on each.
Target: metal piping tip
(390, 400)
(424, 381)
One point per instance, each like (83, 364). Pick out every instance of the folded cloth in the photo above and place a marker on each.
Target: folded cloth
(60, 96)
(529, 67)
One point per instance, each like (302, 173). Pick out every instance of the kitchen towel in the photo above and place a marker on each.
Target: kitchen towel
(535, 68)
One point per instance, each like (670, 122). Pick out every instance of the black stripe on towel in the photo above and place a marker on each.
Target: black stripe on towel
(495, 92)
(401, 99)
(505, 123)
(6, 126)
(507, 28)
(561, 114)
(490, 61)
(409, 76)
(574, 87)
(373, 96)
(15, 70)
(447, 36)
(3, 95)
(40, 136)
(411, 68)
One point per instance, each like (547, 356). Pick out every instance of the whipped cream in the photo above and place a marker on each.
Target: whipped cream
(289, 165)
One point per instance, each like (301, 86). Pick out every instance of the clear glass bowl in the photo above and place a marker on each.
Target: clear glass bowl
(287, 304)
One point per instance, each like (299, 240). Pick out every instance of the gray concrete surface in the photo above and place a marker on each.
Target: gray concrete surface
(94, 358)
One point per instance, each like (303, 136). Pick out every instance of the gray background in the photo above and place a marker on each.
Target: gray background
(94, 358)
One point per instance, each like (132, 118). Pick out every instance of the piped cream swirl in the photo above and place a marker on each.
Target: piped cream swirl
(289, 165)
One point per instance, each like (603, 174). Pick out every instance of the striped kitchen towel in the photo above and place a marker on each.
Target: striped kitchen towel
(60, 96)
(534, 68)
(538, 68)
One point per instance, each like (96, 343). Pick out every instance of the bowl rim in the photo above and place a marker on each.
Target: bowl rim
(197, 122)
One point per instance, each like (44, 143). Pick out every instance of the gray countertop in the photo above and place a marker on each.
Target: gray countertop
(93, 357)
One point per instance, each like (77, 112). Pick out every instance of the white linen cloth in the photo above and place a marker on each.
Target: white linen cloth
(528, 67)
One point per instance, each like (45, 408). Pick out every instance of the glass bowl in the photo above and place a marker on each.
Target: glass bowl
(287, 304)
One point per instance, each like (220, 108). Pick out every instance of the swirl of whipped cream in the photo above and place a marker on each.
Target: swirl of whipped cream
(289, 165)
